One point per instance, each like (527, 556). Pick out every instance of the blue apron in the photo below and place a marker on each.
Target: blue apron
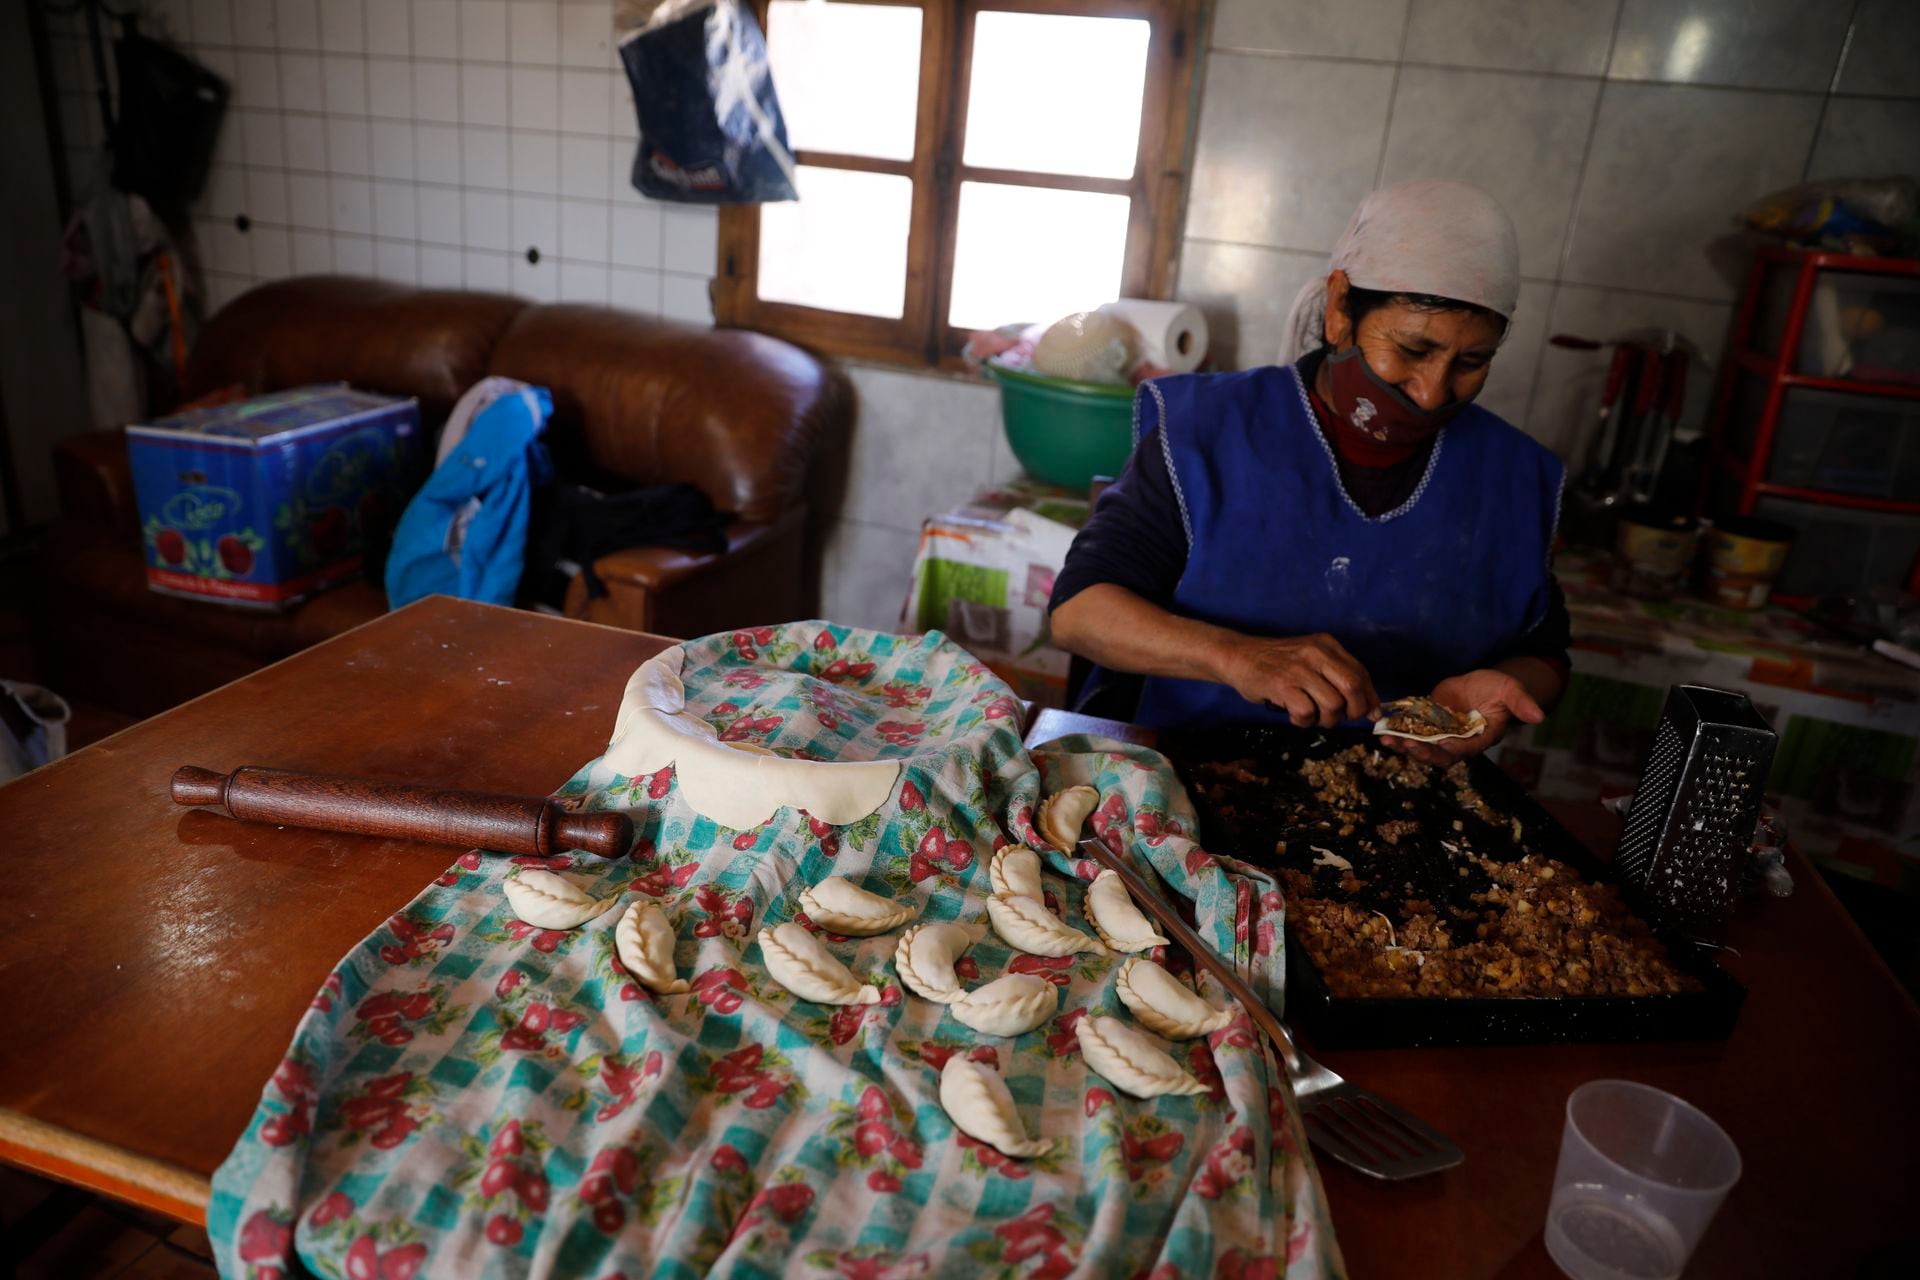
(1444, 584)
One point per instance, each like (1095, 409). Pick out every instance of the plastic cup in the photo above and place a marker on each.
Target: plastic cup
(1641, 1175)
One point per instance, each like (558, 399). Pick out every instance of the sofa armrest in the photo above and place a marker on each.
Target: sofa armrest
(674, 592)
(95, 483)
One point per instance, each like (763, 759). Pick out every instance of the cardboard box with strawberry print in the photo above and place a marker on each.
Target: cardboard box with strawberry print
(263, 502)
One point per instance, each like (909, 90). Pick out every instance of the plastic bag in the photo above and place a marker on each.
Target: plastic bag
(711, 131)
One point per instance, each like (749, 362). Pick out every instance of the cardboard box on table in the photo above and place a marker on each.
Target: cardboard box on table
(262, 502)
(984, 573)
(1843, 776)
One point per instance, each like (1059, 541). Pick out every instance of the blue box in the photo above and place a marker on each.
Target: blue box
(263, 502)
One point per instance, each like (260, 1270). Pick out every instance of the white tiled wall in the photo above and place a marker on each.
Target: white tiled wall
(423, 141)
(438, 140)
(1622, 135)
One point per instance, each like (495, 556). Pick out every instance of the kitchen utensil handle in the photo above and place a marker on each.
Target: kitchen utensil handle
(1646, 395)
(397, 810)
(1616, 375)
(1676, 387)
(1202, 954)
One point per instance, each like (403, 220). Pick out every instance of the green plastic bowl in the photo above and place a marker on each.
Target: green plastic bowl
(1065, 432)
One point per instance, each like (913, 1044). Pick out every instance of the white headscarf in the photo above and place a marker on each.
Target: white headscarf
(1447, 239)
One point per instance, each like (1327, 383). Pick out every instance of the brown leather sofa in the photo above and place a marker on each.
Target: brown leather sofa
(748, 419)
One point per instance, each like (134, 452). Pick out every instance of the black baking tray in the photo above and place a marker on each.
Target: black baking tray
(1399, 1021)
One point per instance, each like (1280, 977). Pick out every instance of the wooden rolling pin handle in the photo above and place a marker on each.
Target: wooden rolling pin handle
(607, 835)
(194, 785)
(469, 819)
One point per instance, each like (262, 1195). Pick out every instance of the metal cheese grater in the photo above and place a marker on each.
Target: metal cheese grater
(1694, 811)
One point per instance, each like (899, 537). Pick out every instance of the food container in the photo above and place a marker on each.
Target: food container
(262, 502)
(1744, 556)
(1652, 552)
(1065, 432)
(1841, 551)
(1847, 443)
(1641, 1174)
(1346, 1022)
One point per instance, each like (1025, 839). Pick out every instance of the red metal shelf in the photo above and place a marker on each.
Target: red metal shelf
(1829, 498)
(1779, 379)
(1763, 366)
(1818, 260)
(1852, 386)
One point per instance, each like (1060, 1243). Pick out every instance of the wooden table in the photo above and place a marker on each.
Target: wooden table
(155, 960)
(1817, 1087)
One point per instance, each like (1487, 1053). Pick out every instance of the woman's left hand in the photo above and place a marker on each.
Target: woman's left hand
(1494, 694)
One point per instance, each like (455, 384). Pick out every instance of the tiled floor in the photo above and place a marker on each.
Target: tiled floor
(52, 1232)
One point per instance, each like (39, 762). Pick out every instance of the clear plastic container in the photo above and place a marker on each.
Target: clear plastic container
(1841, 551)
(1858, 325)
(1641, 1175)
(1847, 444)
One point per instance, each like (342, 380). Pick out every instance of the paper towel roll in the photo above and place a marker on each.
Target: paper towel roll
(1173, 335)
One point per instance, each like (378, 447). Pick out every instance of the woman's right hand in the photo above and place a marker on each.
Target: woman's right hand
(1311, 678)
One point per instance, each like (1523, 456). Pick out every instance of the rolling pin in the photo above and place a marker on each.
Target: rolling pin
(397, 810)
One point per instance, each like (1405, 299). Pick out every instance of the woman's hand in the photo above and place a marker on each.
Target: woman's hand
(1311, 678)
(1498, 696)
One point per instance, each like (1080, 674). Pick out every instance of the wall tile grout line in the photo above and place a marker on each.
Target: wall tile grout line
(1393, 95)
(1573, 214)
(1548, 74)
(1833, 88)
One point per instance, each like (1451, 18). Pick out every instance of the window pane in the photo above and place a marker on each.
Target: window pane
(1034, 254)
(1053, 94)
(848, 75)
(842, 245)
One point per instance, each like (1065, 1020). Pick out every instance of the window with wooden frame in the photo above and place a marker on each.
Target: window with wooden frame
(963, 164)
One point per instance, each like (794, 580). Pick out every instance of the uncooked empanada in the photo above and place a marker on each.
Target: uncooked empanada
(1064, 813)
(644, 942)
(1016, 870)
(1024, 924)
(802, 964)
(838, 905)
(980, 1105)
(1134, 1064)
(925, 956)
(1119, 923)
(1007, 1006)
(547, 900)
(1165, 1006)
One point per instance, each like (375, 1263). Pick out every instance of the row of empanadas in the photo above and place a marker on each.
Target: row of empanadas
(1134, 1064)
(1016, 870)
(802, 964)
(1163, 1004)
(1025, 924)
(838, 905)
(926, 954)
(1120, 924)
(548, 900)
(644, 942)
(1063, 813)
(1010, 1005)
(980, 1105)
(643, 939)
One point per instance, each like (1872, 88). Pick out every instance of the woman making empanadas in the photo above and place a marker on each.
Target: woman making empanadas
(1299, 542)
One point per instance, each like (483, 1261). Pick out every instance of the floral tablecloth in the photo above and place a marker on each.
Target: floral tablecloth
(472, 1096)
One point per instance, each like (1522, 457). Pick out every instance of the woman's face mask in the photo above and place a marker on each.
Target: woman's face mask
(1377, 408)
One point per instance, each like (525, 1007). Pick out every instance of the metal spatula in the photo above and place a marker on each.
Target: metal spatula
(1359, 1129)
(1363, 1130)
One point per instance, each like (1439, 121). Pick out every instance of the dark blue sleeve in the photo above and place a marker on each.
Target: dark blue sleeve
(1134, 538)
